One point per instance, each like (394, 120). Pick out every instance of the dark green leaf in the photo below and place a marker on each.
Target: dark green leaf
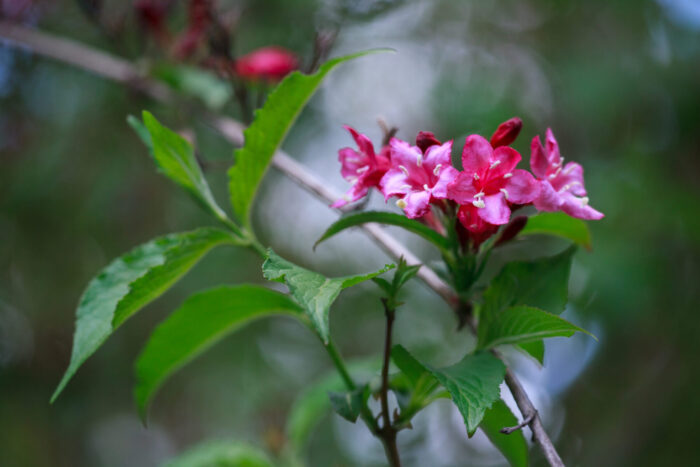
(221, 454)
(196, 82)
(268, 130)
(560, 225)
(388, 218)
(408, 364)
(543, 284)
(175, 158)
(535, 349)
(201, 321)
(473, 384)
(522, 324)
(131, 282)
(348, 404)
(512, 446)
(315, 293)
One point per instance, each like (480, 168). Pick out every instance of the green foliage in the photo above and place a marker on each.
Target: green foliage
(175, 158)
(535, 349)
(221, 454)
(512, 446)
(403, 274)
(314, 292)
(521, 324)
(201, 321)
(131, 282)
(561, 225)
(421, 382)
(264, 136)
(543, 284)
(349, 404)
(196, 82)
(388, 218)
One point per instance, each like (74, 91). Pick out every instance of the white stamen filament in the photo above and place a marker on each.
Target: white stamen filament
(495, 164)
(476, 176)
(508, 175)
(404, 170)
(479, 203)
(426, 187)
(554, 175)
(480, 194)
(436, 170)
(568, 186)
(419, 160)
(362, 169)
(584, 201)
(569, 169)
(406, 186)
(401, 204)
(505, 192)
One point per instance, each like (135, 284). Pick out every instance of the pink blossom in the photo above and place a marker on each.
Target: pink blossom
(266, 63)
(489, 183)
(561, 186)
(363, 168)
(506, 132)
(418, 177)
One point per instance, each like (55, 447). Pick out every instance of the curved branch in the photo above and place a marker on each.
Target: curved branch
(122, 71)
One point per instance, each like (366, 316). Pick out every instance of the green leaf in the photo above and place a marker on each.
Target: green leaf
(535, 349)
(408, 364)
(512, 446)
(131, 282)
(221, 454)
(269, 128)
(421, 382)
(560, 225)
(473, 384)
(349, 404)
(141, 131)
(175, 158)
(201, 321)
(542, 284)
(196, 82)
(522, 324)
(388, 218)
(314, 292)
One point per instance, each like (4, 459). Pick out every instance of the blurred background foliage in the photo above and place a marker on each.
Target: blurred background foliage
(618, 81)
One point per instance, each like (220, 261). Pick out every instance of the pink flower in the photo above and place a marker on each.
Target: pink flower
(266, 63)
(489, 183)
(418, 177)
(363, 168)
(561, 186)
(506, 132)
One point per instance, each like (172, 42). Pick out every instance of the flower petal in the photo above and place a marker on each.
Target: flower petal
(362, 141)
(476, 154)
(417, 204)
(578, 207)
(552, 148)
(504, 161)
(495, 210)
(522, 188)
(462, 189)
(350, 162)
(570, 179)
(548, 199)
(447, 175)
(394, 183)
(538, 159)
(438, 155)
(355, 192)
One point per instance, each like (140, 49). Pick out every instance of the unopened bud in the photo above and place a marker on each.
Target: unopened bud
(425, 139)
(506, 132)
(511, 230)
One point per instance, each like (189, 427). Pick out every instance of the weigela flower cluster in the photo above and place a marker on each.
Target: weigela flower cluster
(484, 193)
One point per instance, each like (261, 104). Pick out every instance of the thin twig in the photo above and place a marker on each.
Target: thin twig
(387, 433)
(107, 66)
(526, 421)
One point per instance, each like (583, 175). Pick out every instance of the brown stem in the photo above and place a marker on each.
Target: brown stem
(387, 433)
(120, 70)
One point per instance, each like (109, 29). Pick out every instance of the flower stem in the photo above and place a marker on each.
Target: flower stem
(387, 433)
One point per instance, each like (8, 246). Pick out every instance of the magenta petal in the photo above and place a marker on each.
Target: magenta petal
(362, 141)
(417, 204)
(570, 179)
(350, 162)
(496, 210)
(476, 154)
(538, 159)
(462, 189)
(504, 161)
(438, 155)
(552, 148)
(394, 183)
(404, 154)
(522, 188)
(357, 191)
(447, 176)
(548, 199)
(578, 207)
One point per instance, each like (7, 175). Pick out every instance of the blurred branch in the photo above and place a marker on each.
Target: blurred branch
(122, 71)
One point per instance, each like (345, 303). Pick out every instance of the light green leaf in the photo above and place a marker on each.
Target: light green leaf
(205, 85)
(535, 349)
(408, 364)
(131, 282)
(175, 158)
(522, 324)
(221, 454)
(512, 446)
(421, 381)
(560, 225)
(314, 292)
(388, 218)
(543, 284)
(201, 321)
(269, 128)
(473, 384)
(348, 404)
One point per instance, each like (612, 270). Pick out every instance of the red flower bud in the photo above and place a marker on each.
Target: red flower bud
(425, 139)
(267, 63)
(506, 132)
(511, 230)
